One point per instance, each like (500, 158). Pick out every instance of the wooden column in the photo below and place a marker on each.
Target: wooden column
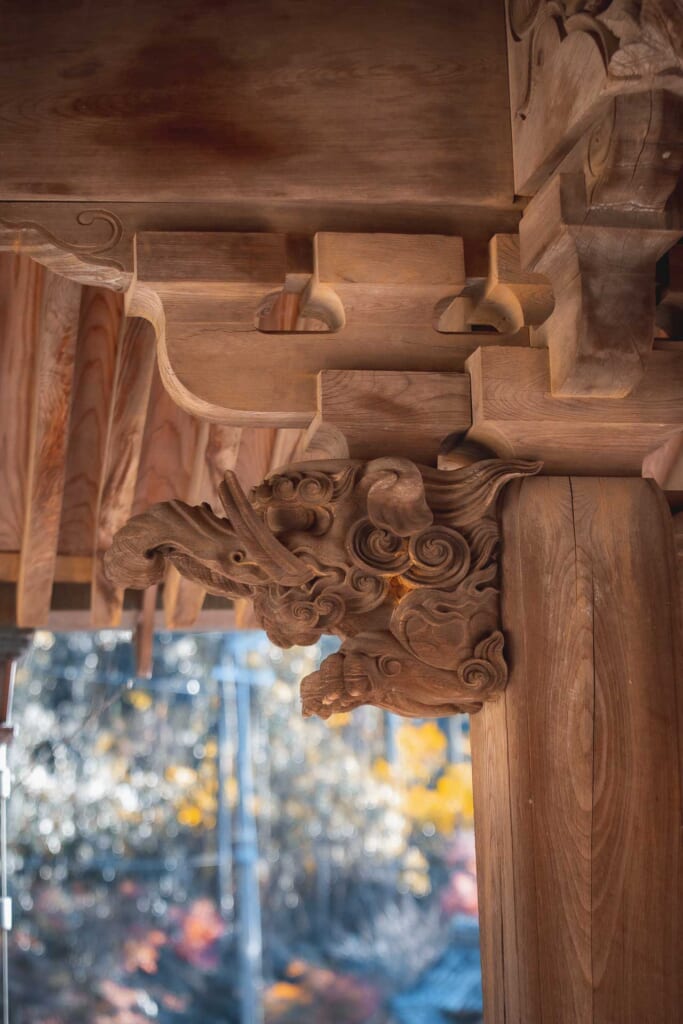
(577, 769)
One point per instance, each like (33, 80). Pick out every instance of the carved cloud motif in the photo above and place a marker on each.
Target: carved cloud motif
(398, 560)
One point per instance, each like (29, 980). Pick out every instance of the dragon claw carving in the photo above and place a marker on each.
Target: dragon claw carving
(398, 560)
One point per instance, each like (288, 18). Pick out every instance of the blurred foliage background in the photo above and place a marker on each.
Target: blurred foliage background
(133, 829)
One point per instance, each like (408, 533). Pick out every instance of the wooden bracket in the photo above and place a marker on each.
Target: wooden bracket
(398, 560)
(510, 299)
(364, 413)
(515, 414)
(602, 268)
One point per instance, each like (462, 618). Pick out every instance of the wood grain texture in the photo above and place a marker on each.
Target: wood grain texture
(408, 414)
(168, 450)
(424, 540)
(576, 768)
(68, 568)
(515, 414)
(568, 62)
(21, 295)
(51, 400)
(380, 311)
(600, 255)
(373, 103)
(217, 451)
(133, 379)
(99, 334)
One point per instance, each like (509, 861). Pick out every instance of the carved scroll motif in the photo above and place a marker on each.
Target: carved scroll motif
(398, 560)
(636, 39)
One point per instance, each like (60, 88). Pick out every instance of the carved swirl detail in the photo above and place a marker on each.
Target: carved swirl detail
(440, 555)
(84, 218)
(376, 548)
(397, 560)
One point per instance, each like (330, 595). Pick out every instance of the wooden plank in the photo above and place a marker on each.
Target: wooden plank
(218, 364)
(52, 383)
(21, 294)
(257, 453)
(134, 368)
(216, 452)
(285, 447)
(66, 620)
(362, 105)
(68, 568)
(576, 769)
(407, 413)
(637, 849)
(98, 336)
(168, 450)
(514, 413)
(412, 261)
(228, 373)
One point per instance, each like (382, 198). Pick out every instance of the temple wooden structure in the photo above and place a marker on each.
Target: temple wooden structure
(418, 268)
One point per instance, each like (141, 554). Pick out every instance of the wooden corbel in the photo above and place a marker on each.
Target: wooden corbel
(510, 298)
(601, 263)
(597, 125)
(398, 560)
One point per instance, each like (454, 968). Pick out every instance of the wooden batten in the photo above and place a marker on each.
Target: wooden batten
(56, 324)
(99, 335)
(68, 568)
(217, 450)
(408, 414)
(133, 379)
(21, 287)
(515, 414)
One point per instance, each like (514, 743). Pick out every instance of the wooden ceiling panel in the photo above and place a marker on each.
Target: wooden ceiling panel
(289, 100)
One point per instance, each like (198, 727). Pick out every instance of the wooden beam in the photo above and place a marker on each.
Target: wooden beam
(21, 296)
(326, 109)
(99, 334)
(133, 379)
(168, 450)
(577, 777)
(65, 620)
(379, 295)
(52, 383)
(216, 452)
(68, 568)
(408, 414)
(515, 414)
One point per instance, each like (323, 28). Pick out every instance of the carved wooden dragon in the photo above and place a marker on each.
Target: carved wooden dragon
(398, 560)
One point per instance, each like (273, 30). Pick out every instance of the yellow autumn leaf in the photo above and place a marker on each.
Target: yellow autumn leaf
(140, 699)
(190, 815)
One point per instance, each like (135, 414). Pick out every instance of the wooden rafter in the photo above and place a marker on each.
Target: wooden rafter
(57, 327)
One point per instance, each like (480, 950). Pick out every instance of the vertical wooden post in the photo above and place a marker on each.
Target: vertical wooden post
(577, 769)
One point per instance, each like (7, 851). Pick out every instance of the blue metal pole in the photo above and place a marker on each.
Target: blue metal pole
(390, 727)
(225, 770)
(246, 860)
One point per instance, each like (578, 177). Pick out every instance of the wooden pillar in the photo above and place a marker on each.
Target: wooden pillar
(577, 769)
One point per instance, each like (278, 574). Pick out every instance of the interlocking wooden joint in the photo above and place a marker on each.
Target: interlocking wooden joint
(398, 560)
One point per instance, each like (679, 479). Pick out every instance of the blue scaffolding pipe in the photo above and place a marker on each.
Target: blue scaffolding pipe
(224, 823)
(248, 901)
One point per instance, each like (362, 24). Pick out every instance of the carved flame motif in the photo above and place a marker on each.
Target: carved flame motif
(398, 560)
